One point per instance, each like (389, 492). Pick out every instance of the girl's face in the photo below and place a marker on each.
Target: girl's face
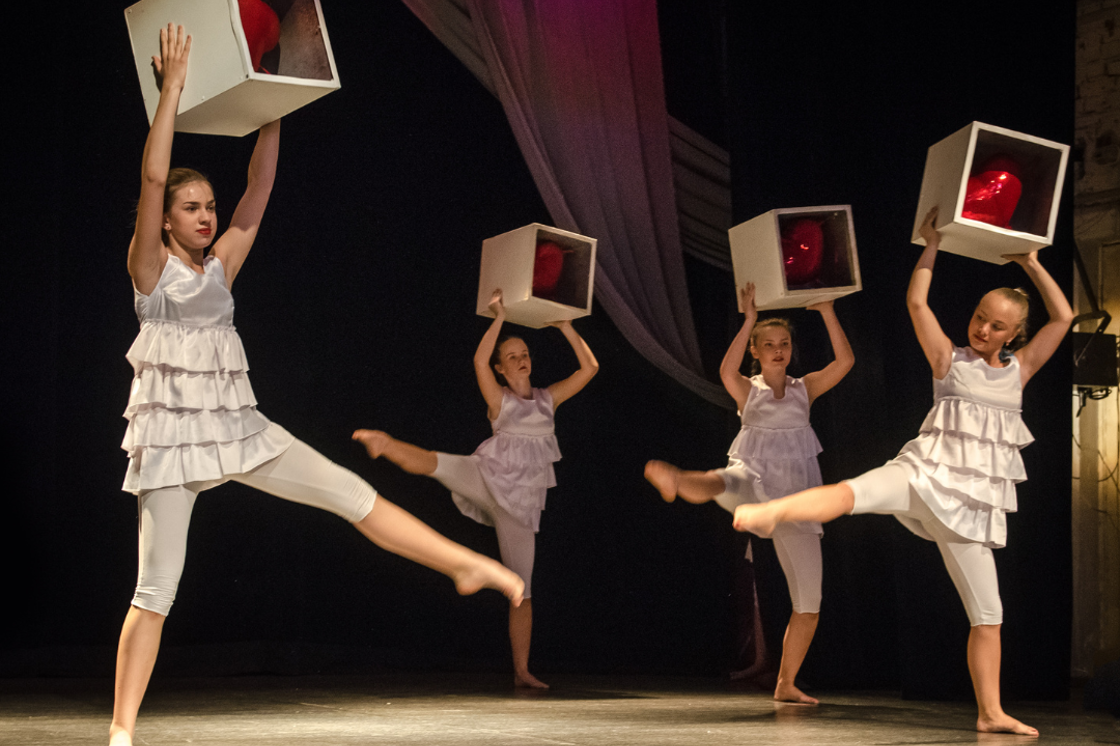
(192, 219)
(772, 347)
(995, 322)
(513, 360)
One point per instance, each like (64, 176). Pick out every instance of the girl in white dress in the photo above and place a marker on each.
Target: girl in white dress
(955, 482)
(503, 484)
(193, 421)
(774, 454)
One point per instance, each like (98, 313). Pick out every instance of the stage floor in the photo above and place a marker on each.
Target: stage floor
(433, 709)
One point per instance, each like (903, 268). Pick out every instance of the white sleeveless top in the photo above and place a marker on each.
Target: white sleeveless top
(516, 462)
(778, 444)
(191, 413)
(966, 461)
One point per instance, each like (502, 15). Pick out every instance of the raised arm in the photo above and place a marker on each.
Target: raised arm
(487, 381)
(233, 247)
(738, 385)
(935, 344)
(146, 252)
(1034, 354)
(561, 391)
(824, 379)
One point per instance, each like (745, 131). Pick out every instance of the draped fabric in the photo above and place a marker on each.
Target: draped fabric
(580, 82)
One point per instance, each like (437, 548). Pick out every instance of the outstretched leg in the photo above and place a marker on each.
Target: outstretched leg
(413, 459)
(303, 475)
(401, 533)
(820, 504)
(694, 486)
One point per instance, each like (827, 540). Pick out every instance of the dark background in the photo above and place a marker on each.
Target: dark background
(356, 308)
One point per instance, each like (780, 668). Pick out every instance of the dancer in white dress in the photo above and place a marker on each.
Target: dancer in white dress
(193, 422)
(774, 454)
(503, 484)
(954, 483)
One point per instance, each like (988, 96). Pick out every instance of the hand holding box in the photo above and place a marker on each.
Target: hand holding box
(998, 192)
(545, 275)
(224, 94)
(796, 256)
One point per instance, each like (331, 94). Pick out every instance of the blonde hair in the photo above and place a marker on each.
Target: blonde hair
(767, 323)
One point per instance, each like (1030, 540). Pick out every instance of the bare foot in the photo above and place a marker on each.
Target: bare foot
(119, 737)
(526, 680)
(757, 519)
(486, 573)
(375, 441)
(790, 693)
(665, 477)
(1004, 723)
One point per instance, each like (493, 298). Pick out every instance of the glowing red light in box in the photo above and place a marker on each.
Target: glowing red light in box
(262, 29)
(802, 250)
(547, 266)
(993, 192)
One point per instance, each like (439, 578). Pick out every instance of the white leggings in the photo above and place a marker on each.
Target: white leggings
(798, 550)
(516, 541)
(971, 565)
(300, 474)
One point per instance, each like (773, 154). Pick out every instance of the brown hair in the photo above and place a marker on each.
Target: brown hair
(496, 356)
(756, 368)
(177, 178)
(1019, 297)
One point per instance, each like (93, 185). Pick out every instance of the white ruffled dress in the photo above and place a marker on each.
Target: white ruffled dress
(966, 461)
(776, 449)
(516, 462)
(192, 417)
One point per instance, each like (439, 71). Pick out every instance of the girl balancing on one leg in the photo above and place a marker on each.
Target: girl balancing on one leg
(193, 421)
(774, 454)
(956, 480)
(503, 483)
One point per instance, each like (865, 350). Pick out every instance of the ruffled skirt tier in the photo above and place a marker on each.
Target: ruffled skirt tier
(965, 465)
(518, 472)
(768, 463)
(192, 415)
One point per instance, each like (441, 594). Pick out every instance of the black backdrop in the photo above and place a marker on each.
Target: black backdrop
(356, 311)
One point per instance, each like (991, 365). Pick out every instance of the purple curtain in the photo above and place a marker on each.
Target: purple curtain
(581, 85)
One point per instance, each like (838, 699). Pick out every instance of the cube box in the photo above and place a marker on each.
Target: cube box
(950, 163)
(223, 95)
(756, 254)
(508, 261)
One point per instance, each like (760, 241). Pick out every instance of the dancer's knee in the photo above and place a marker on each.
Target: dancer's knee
(740, 487)
(807, 603)
(882, 490)
(156, 593)
(984, 612)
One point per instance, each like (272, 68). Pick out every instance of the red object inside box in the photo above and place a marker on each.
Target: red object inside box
(993, 192)
(802, 250)
(262, 29)
(547, 266)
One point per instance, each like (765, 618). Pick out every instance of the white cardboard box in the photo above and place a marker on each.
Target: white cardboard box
(756, 254)
(949, 164)
(507, 264)
(223, 94)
